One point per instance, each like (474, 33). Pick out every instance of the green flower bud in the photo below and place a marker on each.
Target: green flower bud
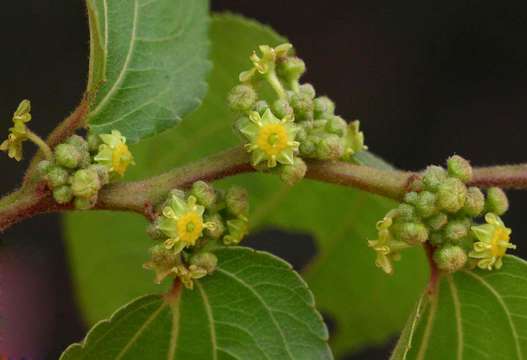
(78, 142)
(451, 195)
(237, 201)
(206, 260)
(67, 155)
(426, 204)
(411, 233)
(330, 147)
(43, 167)
(291, 174)
(456, 230)
(437, 221)
(291, 68)
(281, 109)
(57, 176)
(62, 194)
(94, 141)
(239, 124)
(302, 105)
(308, 90)
(323, 107)
(242, 98)
(475, 202)
(102, 172)
(415, 184)
(459, 168)
(450, 258)
(436, 239)
(154, 232)
(204, 193)
(405, 212)
(433, 177)
(497, 201)
(217, 227)
(81, 203)
(301, 135)
(336, 125)
(85, 183)
(411, 197)
(237, 229)
(308, 147)
(261, 107)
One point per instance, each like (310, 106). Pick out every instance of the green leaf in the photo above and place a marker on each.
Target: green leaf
(345, 280)
(253, 307)
(475, 315)
(148, 63)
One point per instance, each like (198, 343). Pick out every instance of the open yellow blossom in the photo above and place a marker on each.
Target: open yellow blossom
(19, 132)
(266, 62)
(494, 240)
(270, 139)
(182, 222)
(114, 153)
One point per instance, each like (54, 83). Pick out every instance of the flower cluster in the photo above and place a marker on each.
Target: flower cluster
(190, 224)
(79, 167)
(19, 132)
(441, 210)
(281, 129)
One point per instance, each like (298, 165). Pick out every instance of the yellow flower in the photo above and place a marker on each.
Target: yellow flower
(18, 133)
(114, 153)
(188, 275)
(182, 222)
(386, 247)
(494, 240)
(266, 62)
(270, 139)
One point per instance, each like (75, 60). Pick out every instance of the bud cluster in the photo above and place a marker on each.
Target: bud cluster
(296, 123)
(190, 224)
(79, 168)
(441, 210)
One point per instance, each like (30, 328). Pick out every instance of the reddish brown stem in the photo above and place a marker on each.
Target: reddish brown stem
(433, 282)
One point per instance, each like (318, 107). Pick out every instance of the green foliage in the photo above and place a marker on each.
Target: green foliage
(344, 278)
(475, 315)
(253, 307)
(148, 63)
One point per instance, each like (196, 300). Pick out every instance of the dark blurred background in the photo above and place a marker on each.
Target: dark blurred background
(426, 78)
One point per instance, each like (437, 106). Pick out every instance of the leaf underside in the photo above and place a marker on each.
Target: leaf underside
(475, 315)
(148, 63)
(346, 283)
(253, 307)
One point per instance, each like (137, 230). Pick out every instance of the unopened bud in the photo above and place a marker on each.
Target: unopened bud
(237, 229)
(323, 107)
(154, 232)
(329, 147)
(456, 230)
(405, 212)
(426, 204)
(57, 176)
(460, 168)
(291, 68)
(62, 194)
(81, 203)
(437, 221)
(78, 142)
(308, 90)
(217, 229)
(451, 195)
(336, 125)
(85, 183)
(497, 201)
(436, 239)
(308, 147)
(261, 107)
(237, 201)
(242, 98)
(102, 172)
(450, 258)
(411, 233)
(475, 202)
(302, 104)
(67, 155)
(282, 109)
(94, 141)
(433, 177)
(411, 197)
(206, 260)
(204, 193)
(43, 167)
(291, 174)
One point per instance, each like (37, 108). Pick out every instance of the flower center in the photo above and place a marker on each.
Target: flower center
(121, 158)
(189, 227)
(272, 139)
(499, 242)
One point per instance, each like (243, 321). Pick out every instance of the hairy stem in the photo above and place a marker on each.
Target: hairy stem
(142, 196)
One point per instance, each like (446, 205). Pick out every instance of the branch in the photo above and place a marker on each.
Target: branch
(142, 196)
